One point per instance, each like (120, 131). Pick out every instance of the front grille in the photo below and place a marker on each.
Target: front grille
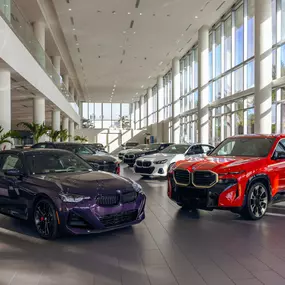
(146, 164)
(119, 218)
(182, 176)
(129, 197)
(204, 178)
(121, 156)
(144, 170)
(129, 156)
(108, 200)
(139, 163)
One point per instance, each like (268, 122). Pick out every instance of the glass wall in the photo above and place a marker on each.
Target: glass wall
(106, 115)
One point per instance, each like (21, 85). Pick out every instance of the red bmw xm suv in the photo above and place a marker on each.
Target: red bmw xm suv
(243, 174)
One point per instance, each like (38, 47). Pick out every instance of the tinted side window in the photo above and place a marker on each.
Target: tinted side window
(197, 149)
(10, 161)
(40, 145)
(280, 147)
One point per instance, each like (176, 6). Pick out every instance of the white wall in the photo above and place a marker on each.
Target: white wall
(18, 57)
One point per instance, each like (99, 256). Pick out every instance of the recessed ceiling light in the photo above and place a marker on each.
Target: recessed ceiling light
(77, 44)
(161, 63)
(196, 17)
(129, 13)
(114, 12)
(140, 14)
(149, 77)
(121, 46)
(73, 29)
(134, 32)
(115, 86)
(69, 9)
(137, 93)
(124, 32)
(142, 86)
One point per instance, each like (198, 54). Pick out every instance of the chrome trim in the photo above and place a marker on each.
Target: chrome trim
(205, 186)
(181, 184)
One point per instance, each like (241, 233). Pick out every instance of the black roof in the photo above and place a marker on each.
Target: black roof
(34, 150)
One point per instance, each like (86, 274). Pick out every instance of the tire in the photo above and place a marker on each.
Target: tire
(45, 219)
(257, 200)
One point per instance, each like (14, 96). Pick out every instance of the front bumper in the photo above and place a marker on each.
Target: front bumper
(155, 170)
(218, 196)
(87, 217)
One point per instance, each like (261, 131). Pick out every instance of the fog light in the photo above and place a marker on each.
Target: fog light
(160, 171)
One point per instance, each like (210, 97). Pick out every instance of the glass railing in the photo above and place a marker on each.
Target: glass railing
(24, 30)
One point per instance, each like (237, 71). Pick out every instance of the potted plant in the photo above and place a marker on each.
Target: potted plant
(38, 130)
(5, 138)
(80, 139)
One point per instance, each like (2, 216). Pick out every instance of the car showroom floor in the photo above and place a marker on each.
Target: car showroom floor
(170, 247)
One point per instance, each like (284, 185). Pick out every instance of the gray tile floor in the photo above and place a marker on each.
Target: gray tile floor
(171, 247)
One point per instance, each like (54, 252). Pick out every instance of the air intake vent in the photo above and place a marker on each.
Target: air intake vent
(138, 3)
(121, 61)
(132, 24)
(75, 37)
(124, 52)
(206, 4)
(189, 41)
(67, 1)
(220, 6)
(78, 49)
(81, 60)
(72, 20)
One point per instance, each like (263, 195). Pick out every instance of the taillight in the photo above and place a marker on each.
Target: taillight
(118, 169)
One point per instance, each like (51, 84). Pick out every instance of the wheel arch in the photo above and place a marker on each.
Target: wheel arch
(263, 178)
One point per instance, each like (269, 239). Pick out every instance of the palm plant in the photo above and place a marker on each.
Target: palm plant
(64, 136)
(38, 130)
(5, 137)
(80, 139)
(54, 135)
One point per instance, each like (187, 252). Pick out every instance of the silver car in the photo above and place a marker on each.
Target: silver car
(124, 151)
(157, 165)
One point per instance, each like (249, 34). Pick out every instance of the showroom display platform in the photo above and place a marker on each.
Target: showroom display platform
(170, 247)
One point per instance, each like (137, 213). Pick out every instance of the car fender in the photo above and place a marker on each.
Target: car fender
(254, 178)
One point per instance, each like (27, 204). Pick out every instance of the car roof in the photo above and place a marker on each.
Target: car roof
(260, 136)
(34, 151)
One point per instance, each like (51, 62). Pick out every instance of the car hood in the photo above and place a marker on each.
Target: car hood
(219, 164)
(163, 156)
(87, 184)
(99, 158)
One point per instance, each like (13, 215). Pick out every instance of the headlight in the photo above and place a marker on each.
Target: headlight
(160, 161)
(232, 173)
(71, 198)
(136, 186)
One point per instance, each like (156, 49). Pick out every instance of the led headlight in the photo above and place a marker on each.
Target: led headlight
(136, 186)
(71, 198)
(160, 161)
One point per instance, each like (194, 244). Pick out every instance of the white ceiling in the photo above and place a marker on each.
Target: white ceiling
(159, 34)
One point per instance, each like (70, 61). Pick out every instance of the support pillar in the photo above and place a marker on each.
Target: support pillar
(203, 79)
(160, 113)
(56, 120)
(65, 125)
(72, 92)
(175, 128)
(149, 95)
(39, 113)
(5, 103)
(263, 67)
(66, 81)
(71, 131)
(39, 31)
(56, 63)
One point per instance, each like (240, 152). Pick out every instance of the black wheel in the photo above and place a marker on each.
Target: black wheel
(45, 219)
(256, 202)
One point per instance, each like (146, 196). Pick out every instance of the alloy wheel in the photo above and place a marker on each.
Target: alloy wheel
(44, 219)
(258, 200)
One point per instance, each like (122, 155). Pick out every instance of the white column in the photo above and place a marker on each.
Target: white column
(203, 78)
(39, 113)
(175, 134)
(39, 31)
(65, 124)
(160, 114)
(149, 95)
(66, 81)
(71, 130)
(263, 67)
(56, 63)
(39, 110)
(5, 103)
(56, 120)
(72, 92)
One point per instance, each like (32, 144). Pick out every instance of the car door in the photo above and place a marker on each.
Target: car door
(10, 199)
(278, 167)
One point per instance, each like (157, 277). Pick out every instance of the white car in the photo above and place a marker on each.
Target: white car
(124, 151)
(157, 165)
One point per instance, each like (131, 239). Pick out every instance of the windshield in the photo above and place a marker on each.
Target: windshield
(59, 162)
(176, 149)
(131, 144)
(141, 146)
(152, 147)
(251, 147)
(78, 149)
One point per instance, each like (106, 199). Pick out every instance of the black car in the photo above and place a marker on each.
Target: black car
(103, 162)
(96, 147)
(59, 192)
(130, 157)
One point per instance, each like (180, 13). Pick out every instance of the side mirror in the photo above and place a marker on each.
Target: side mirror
(280, 155)
(13, 172)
